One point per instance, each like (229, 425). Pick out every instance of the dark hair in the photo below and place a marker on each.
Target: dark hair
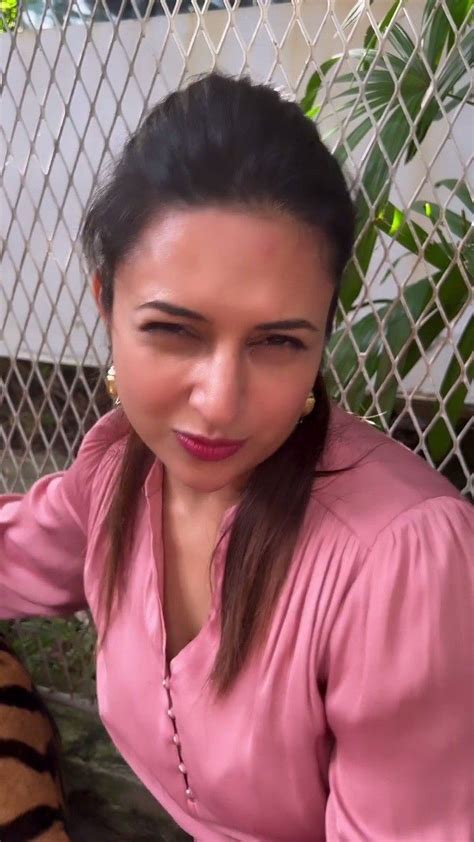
(230, 143)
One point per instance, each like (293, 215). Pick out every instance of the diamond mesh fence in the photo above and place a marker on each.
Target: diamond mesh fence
(389, 87)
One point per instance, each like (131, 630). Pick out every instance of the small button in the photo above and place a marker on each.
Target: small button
(176, 740)
(166, 683)
(182, 768)
(190, 795)
(171, 713)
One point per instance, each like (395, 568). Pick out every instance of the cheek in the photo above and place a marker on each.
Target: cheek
(279, 401)
(143, 381)
(144, 376)
(151, 387)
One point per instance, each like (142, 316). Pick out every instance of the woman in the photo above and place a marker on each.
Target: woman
(282, 656)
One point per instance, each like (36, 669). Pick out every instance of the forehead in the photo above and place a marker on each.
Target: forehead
(213, 256)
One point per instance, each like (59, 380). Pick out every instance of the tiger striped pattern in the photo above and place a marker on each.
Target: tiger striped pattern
(31, 793)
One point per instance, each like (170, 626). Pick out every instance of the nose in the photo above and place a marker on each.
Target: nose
(218, 390)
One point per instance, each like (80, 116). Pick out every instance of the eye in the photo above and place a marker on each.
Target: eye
(169, 328)
(280, 341)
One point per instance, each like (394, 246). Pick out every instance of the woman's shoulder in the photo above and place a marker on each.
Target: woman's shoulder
(103, 444)
(372, 480)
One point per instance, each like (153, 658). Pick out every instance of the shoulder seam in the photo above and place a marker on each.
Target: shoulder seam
(387, 525)
(413, 508)
(368, 560)
(342, 522)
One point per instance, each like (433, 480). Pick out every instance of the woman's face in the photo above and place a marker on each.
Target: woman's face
(217, 331)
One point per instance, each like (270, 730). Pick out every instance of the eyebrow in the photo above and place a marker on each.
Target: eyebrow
(184, 313)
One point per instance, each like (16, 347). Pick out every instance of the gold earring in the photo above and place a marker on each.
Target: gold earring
(112, 385)
(308, 406)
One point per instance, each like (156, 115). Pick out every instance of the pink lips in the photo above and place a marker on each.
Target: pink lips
(209, 450)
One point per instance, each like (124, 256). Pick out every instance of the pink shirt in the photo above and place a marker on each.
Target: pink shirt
(355, 721)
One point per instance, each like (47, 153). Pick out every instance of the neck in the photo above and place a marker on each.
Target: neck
(190, 501)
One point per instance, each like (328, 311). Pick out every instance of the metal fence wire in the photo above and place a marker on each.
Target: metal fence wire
(389, 86)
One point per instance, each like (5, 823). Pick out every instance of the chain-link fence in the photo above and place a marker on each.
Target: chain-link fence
(389, 87)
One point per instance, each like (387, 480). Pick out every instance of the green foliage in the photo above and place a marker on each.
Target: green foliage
(58, 653)
(9, 10)
(399, 105)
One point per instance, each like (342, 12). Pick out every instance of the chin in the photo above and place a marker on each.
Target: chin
(208, 484)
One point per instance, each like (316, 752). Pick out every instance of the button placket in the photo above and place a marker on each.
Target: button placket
(176, 739)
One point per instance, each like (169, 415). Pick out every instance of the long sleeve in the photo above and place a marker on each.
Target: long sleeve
(43, 535)
(400, 685)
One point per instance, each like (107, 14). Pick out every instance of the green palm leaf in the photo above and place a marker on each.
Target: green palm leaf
(454, 389)
(441, 26)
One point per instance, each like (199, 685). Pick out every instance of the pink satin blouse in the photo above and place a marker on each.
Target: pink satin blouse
(354, 723)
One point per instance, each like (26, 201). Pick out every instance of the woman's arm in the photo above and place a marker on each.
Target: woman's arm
(400, 692)
(43, 535)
